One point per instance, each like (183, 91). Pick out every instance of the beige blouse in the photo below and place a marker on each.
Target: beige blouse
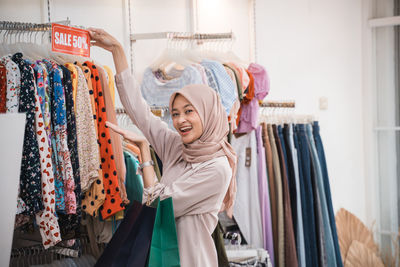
(197, 189)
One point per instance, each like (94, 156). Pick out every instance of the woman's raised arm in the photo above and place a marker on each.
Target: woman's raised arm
(153, 128)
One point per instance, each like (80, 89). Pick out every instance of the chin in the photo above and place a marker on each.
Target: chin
(187, 140)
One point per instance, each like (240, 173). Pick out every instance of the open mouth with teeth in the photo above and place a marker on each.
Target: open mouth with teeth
(185, 130)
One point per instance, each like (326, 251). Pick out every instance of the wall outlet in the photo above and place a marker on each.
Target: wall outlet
(323, 103)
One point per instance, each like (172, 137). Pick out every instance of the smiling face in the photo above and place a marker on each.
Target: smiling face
(186, 120)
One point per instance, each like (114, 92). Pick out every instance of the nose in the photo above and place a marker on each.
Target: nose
(181, 119)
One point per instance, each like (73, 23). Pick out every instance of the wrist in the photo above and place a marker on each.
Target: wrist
(144, 146)
(117, 48)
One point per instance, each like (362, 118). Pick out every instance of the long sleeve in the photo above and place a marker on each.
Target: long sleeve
(195, 193)
(156, 131)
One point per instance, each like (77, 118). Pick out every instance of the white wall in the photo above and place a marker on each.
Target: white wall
(312, 49)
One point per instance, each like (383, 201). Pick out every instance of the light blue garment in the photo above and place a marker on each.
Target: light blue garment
(211, 79)
(301, 251)
(157, 93)
(329, 246)
(225, 87)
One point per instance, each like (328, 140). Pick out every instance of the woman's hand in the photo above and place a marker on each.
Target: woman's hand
(138, 140)
(103, 39)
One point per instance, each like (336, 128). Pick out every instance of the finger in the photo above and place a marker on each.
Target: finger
(115, 128)
(94, 30)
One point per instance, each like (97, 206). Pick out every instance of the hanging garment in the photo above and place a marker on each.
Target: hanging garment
(202, 72)
(13, 82)
(272, 190)
(328, 239)
(290, 244)
(64, 174)
(134, 181)
(74, 79)
(249, 110)
(310, 236)
(44, 97)
(217, 235)
(70, 223)
(319, 227)
(158, 93)
(192, 185)
(46, 219)
(264, 196)
(244, 77)
(30, 178)
(116, 141)
(236, 80)
(224, 84)
(85, 132)
(247, 211)
(95, 194)
(3, 88)
(247, 100)
(111, 82)
(13, 76)
(321, 156)
(294, 166)
(236, 105)
(113, 202)
(284, 136)
(279, 199)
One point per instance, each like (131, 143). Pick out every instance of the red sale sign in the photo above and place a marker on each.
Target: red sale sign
(70, 40)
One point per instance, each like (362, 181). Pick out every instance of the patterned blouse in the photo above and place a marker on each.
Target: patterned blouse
(13, 83)
(30, 177)
(46, 219)
(3, 88)
(46, 100)
(65, 176)
(72, 222)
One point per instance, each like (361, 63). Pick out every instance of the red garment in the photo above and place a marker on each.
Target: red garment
(113, 202)
(3, 89)
(246, 98)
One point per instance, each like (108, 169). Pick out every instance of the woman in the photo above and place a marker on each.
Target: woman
(198, 162)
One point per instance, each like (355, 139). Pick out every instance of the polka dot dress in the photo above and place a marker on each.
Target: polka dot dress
(112, 203)
(94, 196)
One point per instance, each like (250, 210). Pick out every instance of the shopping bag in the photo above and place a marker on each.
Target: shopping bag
(164, 251)
(130, 245)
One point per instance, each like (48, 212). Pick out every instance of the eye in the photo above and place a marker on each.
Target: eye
(188, 111)
(175, 115)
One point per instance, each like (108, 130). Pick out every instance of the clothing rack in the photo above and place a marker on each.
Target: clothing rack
(37, 254)
(182, 36)
(278, 104)
(27, 26)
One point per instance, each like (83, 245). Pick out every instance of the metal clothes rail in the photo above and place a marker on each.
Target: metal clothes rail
(182, 36)
(27, 26)
(278, 104)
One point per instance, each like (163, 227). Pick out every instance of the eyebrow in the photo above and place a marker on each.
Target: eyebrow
(187, 105)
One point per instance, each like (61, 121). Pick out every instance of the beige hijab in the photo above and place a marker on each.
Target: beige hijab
(213, 141)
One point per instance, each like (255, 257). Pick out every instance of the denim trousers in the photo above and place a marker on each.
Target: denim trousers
(322, 160)
(310, 238)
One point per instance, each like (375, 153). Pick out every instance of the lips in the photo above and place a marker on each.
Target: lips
(185, 130)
